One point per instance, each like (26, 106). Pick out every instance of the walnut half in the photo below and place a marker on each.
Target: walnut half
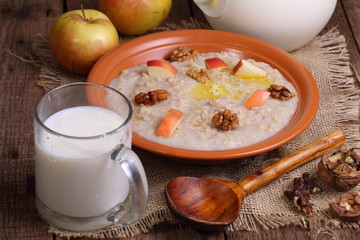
(225, 120)
(182, 54)
(152, 97)
(202, 76)
(280, 92)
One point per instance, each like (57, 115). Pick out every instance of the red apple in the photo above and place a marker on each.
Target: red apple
(215, 63)
(77, 42)
(160, 68)
(246, 69)
(135, 17)
(258, 98)
(169, 123)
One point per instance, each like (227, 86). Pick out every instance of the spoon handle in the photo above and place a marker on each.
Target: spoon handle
(335, 139)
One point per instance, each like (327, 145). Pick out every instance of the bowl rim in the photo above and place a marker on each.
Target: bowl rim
(158, 44)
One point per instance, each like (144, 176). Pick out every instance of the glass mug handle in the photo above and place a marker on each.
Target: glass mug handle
(131, 164)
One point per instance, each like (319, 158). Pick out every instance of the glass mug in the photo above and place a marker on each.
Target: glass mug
(86, 175)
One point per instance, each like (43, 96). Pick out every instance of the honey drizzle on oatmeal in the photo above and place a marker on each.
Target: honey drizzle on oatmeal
(213, 89)
(216, 89)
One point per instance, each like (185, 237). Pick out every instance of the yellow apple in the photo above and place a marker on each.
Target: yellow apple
(135, 17)
(79, 38)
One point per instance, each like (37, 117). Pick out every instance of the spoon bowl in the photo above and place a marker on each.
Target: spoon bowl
(211, 192)
(212, 204)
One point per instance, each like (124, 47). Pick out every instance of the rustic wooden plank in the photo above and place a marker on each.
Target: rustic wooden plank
(179, 12)
(76, 4)
(166, 231)
(352, 10)
(20, 21)
(197, 13)
(352, 13)
(341, 22)
(297, 233)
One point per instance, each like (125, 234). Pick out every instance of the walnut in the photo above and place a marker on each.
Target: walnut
(280, 92)
(340, 169)
(152, 97)
(347, 207)
(202, 76)
(182, 54)
(225, 120)
(300, 194)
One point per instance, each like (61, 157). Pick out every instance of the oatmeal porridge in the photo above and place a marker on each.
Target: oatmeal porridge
(208, 98)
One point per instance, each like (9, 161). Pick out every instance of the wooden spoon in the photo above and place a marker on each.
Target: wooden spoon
(211, 204)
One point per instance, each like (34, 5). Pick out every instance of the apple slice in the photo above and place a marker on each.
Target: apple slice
(169, 123)
(215, 63)
(246, 69)
(160, 68)
(258, 98)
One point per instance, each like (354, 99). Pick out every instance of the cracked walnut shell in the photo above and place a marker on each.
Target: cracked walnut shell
(340, 169)
(225, 120)
(347, 207)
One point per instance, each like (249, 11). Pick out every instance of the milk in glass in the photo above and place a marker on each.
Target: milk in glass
(75, 176)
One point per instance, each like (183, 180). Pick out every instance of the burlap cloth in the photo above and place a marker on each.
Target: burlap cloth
(327, 58)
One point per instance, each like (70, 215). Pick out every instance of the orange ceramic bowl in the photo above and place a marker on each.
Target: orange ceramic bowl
(159, 45)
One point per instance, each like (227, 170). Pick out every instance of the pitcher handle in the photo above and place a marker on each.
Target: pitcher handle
(139, 189)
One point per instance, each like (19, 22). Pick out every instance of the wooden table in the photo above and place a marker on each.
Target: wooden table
(20, 21)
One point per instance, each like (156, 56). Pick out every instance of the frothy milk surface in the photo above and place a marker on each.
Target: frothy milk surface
(75, 176)
(84, 121)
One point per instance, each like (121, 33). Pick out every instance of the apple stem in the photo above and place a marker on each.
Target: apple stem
(83, 13)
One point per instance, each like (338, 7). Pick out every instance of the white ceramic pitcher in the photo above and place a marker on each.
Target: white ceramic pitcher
(288, 24)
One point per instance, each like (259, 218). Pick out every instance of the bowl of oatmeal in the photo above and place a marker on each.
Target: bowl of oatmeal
(218, 122)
